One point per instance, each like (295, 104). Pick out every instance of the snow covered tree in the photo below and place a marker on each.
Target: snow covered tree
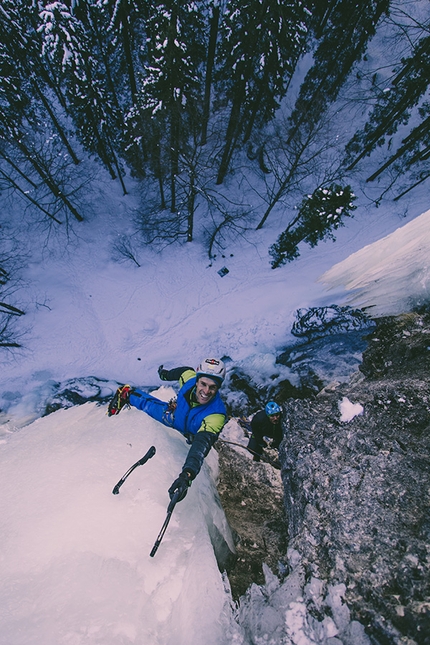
(169, 105)
(342, 42)
(393, 109)
(26, 115)
(15, 100)
(29, 95)
(318, 216)
(260, 44)
(73, 51)
(124, 24)
(20, 38)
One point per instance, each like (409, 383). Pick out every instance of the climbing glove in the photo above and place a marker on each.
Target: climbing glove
(162, 373)
(181, 485)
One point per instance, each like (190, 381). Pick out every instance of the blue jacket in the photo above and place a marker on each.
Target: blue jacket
(188, 418)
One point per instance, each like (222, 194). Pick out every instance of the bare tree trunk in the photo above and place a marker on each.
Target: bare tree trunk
(417, 183)
(49, 180)
(159, 174)
(209, 69)
(232, 135)
(174, 158)
(282, 187)
(255, 106)
(397, 110)
(10, 310)
(118, 169)
(17, 169)
(28, 197)
(56, 124)
(191, 207)
(412, 138)
(126, 39)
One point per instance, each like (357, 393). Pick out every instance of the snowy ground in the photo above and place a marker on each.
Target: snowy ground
(88, 315)
(75, 566)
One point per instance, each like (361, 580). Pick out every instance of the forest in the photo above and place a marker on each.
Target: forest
(202, 104)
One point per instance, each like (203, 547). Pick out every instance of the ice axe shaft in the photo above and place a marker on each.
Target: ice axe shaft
(266, 459)
(143, 460)
(170, 508)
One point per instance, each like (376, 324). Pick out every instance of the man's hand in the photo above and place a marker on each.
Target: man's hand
(181, 485)
(162, 373)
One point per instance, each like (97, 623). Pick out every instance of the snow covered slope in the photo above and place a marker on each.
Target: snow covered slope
(390, 276)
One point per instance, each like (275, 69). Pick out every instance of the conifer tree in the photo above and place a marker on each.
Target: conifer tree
(23, 109)
(209, 67)
(169, 106)
(124, 38)
(344, 28)
(73, 51)
(25, 84)
(318, 216)
(394, 108)
(261, 42)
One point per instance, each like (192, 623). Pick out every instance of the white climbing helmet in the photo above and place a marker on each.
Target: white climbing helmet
(213, 368)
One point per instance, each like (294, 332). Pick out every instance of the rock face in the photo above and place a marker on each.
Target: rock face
(357, 488)
(252, 498)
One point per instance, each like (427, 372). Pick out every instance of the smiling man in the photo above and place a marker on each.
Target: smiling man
(197, 412)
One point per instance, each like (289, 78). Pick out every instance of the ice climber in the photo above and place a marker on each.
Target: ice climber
(266, 423)
(197, 412)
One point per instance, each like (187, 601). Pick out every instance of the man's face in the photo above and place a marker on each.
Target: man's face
(206, 389)
(274, 418)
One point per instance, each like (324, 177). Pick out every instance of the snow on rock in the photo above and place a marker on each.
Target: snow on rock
(298, 612)
(356, 493)
(349, 410)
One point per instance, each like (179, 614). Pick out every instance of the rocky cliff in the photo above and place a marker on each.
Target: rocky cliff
(337, 551)
(357, 491)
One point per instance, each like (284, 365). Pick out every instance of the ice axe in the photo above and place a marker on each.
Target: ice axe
(149, 454)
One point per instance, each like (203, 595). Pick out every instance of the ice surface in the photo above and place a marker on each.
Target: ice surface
(75, 566)
(390, 276)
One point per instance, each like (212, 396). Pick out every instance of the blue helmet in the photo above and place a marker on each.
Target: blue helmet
(272, 408)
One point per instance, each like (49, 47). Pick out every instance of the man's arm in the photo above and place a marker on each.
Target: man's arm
(181, 374)
(203, 441)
